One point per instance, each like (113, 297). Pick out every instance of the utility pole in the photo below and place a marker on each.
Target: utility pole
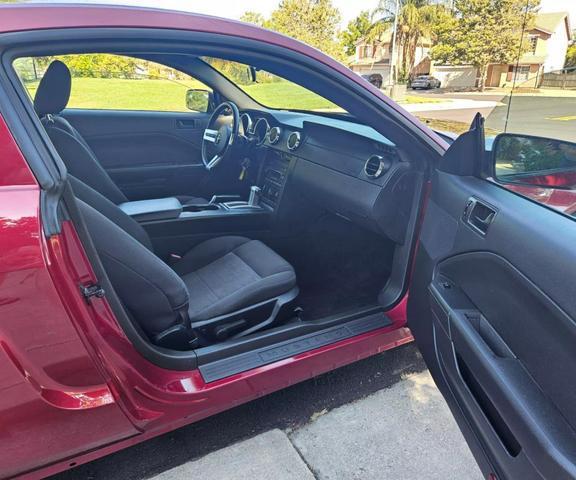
(392, 76)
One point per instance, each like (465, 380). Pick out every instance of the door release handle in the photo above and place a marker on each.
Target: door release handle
(186, 124)
(478, 215)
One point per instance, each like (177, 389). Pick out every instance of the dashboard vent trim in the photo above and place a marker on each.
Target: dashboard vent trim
(374, 166)
(294, 140)
(274, 135)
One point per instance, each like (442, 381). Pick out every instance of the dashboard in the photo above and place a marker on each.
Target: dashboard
(346, 168)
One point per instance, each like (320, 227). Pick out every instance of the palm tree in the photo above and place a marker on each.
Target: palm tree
(416, 19)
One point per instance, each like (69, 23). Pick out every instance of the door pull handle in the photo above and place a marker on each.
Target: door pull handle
(478, 215)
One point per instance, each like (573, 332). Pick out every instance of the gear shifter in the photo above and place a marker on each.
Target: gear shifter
(254, 199)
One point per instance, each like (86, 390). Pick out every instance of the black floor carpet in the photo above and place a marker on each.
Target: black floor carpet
(339, 266)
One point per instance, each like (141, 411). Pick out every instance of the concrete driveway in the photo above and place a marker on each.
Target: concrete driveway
(380, 418)
(403, 432)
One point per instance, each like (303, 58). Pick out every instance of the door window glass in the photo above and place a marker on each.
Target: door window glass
(115, 82)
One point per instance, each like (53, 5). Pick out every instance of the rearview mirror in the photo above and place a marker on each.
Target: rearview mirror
(535, 161)
(198, 100)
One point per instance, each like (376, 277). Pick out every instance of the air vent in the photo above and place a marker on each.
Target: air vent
(274, 135)
(294, 141)
(375, 166)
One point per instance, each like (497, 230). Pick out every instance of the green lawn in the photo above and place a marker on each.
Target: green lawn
(121, 94)
(452, 126)
(445, 125)
(415, 99)
(288, 96)
(165, 95)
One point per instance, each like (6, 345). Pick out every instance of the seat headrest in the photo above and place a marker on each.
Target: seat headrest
(54, 90)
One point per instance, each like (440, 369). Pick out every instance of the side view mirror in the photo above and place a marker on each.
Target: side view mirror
(198, 100)
(534, 161)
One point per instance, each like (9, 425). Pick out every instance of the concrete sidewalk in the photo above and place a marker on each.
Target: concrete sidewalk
(454, 104)
(403, 432)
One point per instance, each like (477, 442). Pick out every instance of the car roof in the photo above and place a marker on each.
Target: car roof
(35, 16)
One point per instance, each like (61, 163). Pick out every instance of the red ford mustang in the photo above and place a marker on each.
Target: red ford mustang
(165, 256)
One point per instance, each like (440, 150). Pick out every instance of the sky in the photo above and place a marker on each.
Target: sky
(235, 8)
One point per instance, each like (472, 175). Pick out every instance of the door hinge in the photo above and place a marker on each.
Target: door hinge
(91, 291)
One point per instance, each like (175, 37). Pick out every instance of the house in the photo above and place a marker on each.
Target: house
(549, 40)
(375, 57)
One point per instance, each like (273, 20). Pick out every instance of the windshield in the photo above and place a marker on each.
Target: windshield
(271, 90)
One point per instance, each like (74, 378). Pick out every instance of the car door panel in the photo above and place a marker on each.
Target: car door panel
(494, 316)
(147, 154)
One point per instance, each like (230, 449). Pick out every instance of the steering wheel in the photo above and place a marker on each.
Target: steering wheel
(220, 134)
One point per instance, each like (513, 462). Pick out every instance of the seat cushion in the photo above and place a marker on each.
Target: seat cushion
(226, 274)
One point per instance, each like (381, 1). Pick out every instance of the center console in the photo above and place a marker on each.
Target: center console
(153, 210)
(274, 178)
(263, 198)
(173, 226)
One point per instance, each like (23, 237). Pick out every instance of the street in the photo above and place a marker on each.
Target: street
(541, 115)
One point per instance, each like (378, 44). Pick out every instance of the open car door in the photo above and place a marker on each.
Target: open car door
(493, 309)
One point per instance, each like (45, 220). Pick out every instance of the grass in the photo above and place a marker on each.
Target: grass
(414, 99)
(452, 126)
(445, 125)
(166, 95)
(288, 96)
(121, 94)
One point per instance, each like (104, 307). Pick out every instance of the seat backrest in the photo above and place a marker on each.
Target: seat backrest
(150, 290)
(99, 202)
(51, 98)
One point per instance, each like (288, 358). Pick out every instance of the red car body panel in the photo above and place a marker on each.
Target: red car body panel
(46, 372)
(73, 386)
(556, 190)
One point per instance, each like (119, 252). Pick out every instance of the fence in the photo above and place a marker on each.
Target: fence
(559, 80)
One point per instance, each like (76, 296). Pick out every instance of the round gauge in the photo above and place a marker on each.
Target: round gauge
(294, 141)
(261, 130)
(274, 135)
(246, 123)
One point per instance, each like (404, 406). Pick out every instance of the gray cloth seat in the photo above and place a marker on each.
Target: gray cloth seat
(217, 277)
(228, 273)
(51, 98)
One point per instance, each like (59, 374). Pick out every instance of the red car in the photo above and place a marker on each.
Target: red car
(166, 256)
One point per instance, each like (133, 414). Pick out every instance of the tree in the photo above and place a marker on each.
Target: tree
(571, 53)
(416, 21)
(357, 29)
(314, 22)
(483, 32)
(255, 18)
(571, 57)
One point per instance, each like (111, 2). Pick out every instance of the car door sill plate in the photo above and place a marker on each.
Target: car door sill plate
(247, 361)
